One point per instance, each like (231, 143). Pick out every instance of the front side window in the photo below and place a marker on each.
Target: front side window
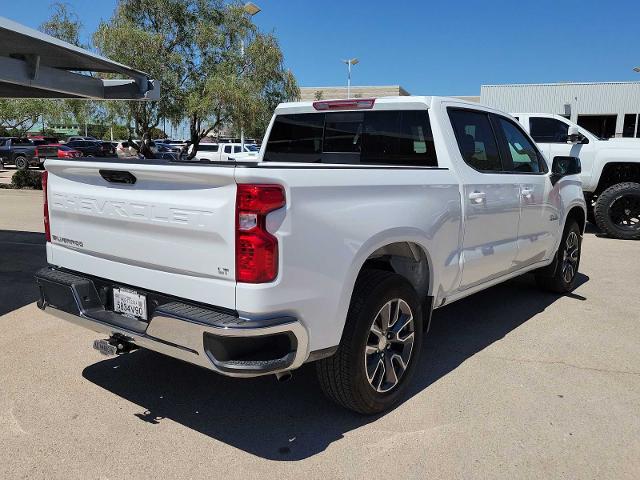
(476, 140)
(394, 137)
(237, 149)
(522, 153)
(548, 130)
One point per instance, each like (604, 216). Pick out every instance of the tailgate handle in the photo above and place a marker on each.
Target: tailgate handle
(118, 176)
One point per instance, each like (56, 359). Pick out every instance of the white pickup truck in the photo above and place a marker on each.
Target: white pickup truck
(357, 219)
(610, 170)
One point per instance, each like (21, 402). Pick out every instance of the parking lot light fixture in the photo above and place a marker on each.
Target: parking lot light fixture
(251, 8)
(349, 63)
(637, 69)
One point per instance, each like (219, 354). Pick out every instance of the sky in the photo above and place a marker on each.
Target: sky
(431, 48)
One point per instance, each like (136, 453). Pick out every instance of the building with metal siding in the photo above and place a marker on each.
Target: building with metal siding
(606, 108)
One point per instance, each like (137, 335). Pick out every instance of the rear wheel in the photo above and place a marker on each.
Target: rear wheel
(380, 345)
(562, 278)
(21, 162)
(617, 211)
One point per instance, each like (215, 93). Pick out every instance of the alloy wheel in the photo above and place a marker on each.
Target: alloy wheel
(625, 212)
(389, 345)
(570, 257)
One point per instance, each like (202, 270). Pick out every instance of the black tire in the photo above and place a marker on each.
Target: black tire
(21, 162)
(343, 376)
(617, 211)
(561, 276)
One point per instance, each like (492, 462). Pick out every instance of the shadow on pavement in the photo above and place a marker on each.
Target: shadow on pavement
(21, 255)
(293, 420)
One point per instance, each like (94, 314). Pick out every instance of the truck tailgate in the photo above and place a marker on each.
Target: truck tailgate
(172, 231)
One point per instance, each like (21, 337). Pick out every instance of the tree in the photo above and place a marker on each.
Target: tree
(194, 47)
(236, 76)
(18, 116)
(65, 25)
(153, 36)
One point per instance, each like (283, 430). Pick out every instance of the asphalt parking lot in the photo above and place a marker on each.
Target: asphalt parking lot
(514, 383)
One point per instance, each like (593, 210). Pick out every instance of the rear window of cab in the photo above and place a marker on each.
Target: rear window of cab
(385, 137)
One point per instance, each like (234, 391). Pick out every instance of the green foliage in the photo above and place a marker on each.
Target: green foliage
(19, 115)
(63, 24)
(27, 179)
(215, 68)
(236, 77)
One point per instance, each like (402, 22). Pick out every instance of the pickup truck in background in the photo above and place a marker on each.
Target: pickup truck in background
(334, 245)
(610, 170)
(19, 152)
(216, 152)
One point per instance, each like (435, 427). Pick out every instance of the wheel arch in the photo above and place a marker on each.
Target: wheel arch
(618, 172)
(578, 214)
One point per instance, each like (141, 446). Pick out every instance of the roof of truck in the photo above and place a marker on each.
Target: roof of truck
(382, 103)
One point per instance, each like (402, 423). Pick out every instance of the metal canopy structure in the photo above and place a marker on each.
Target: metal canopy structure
(36, 65)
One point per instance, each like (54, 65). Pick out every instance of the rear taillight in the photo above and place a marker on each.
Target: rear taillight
(47, 226)
(256, 248)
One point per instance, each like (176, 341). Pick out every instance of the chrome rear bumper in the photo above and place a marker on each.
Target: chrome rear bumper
(217, 340)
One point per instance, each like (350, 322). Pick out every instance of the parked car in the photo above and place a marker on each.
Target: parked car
(167, 147)
(44, 152)
(18, 152)
(355, 221)
(125, 150)
(610, 170)
(88, 148)
(222, 152)
(43, 140)
(77, 138)
(108, 149)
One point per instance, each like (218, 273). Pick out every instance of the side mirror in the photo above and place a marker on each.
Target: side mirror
(574, 135)
(563, 166)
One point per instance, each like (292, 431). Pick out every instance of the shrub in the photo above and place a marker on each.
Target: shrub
(27, 179)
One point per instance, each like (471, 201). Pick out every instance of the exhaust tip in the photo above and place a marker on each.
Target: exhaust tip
(282, 377)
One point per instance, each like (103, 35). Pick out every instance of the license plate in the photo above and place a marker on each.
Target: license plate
(130, 303)
(104, 347)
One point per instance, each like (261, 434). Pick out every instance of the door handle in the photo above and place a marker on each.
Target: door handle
(477, 198)
(526, 192)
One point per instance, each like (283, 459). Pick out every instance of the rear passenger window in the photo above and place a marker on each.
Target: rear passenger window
(366, 138)
(227, 149)
(476, 140)
(208, 148)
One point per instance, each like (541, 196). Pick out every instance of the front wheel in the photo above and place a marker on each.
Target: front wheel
(617, 211)
(563, 277)
(380, 345)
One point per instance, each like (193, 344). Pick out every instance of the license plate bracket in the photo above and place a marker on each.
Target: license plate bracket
(130, 303)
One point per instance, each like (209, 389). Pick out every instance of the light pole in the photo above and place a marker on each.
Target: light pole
(250, 9)
(351, 61)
